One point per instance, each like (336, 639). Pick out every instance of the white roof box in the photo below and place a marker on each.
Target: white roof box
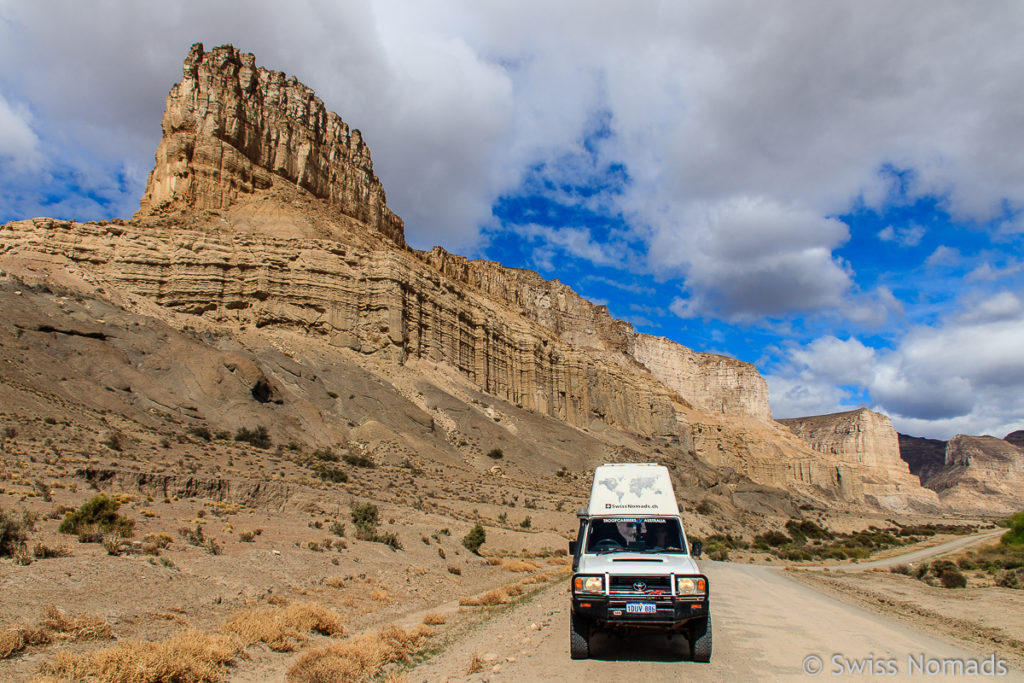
(632, 489)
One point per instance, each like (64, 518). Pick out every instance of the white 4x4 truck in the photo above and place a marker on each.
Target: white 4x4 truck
(632, 568)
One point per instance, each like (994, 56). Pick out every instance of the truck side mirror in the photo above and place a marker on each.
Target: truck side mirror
(572, 547)
(697, 548)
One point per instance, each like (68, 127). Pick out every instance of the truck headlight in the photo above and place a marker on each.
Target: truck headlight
(686, 585)
(588, 584)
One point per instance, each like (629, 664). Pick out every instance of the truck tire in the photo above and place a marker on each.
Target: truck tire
(579, 637)
(700, 640)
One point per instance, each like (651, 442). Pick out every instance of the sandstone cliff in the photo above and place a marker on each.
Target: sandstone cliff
(981, 473)
(712, 383)
(715, 384)
(865, 440)
(232, 130)
(263, 223)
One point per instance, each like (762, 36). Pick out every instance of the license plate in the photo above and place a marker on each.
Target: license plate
(641, 608)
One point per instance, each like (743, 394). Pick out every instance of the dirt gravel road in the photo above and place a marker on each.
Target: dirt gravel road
(766, 628)
(955, 545)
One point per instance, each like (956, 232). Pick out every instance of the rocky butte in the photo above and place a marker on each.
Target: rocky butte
(264, 233)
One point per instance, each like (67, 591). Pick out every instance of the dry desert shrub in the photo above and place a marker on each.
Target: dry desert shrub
(381, 595)
(476, 664)
(189, 657)
(359, 659)
(498, 596)
(14, 640)
(560, 560)
(519, 566)
(494, 561)
(335, 582)
(434, 619)
(75, 627)
(282, 629)
(312, 617)
(55, 625)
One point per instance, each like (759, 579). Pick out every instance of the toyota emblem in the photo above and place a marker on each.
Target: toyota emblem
(639, 586)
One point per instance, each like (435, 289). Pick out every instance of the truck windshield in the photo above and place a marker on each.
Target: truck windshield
(620, 534)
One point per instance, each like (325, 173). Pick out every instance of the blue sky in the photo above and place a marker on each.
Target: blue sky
(833, 192)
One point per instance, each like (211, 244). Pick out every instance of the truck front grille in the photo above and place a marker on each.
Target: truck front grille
(640, 585)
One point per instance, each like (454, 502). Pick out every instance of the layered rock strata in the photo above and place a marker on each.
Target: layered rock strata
(712, 383)
(234, 132)
(232, 129)
(981, 473)
(866, 441)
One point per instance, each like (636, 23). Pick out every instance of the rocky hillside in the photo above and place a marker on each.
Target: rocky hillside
(979, 473)
(866, 438)
(264, 279)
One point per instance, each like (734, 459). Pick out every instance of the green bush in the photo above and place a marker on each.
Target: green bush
(326, 455)
(328, 473)
(474, 539)
(359, 461)
(1015, 536)
(13, 532)
(952, 578)
(1009, 579)
(201, 432)
(495, 454)
(771, 539)
(99, 513)
(257, 437)
(804, 529)
(365, 516)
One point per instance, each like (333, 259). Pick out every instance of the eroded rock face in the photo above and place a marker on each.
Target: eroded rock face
(867, 442)
(242, 143)
(925, 457)
(232, 129)
(714, 384)
(981, 473)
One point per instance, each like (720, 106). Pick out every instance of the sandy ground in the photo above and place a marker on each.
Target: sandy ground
(765, 625)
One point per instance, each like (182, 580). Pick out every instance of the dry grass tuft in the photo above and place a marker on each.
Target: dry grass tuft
(335, 582)
(77, 627)
(494, 561)
(189, 657)
(55, 625)
(282, 629)
(381, 595)
(359, 659)
(520, 566)
(312, 617)
(560, 560)
(476, 664)
(434, 619)
(498, 596)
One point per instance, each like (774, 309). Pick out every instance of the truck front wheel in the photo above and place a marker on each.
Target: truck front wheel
(579, 636)
(700, 640)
